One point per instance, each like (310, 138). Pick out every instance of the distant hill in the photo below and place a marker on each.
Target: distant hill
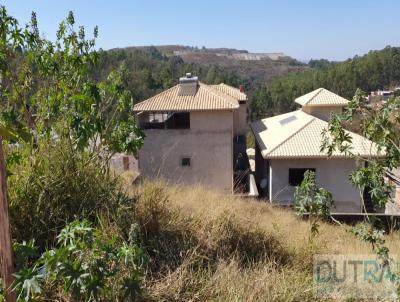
(149, 70)
(257, 67)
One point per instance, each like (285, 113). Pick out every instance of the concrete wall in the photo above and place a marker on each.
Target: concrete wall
(261, 172)
(331, 174)
(240, 120)
(208, 143)
(322, 112)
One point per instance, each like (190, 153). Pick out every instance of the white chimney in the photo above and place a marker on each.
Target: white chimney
(188, 85)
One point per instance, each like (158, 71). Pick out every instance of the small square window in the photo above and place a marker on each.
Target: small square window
(185, 162)
(296, 175)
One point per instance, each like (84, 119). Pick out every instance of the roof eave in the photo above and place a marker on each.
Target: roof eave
(337, 156)
(183, 109)
(323, 105)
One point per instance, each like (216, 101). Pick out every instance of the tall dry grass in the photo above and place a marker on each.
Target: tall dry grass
(204, 246)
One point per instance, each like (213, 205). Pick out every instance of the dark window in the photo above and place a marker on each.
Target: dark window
(296, 175)
(186, 162)
(163, 120)
(178, 120)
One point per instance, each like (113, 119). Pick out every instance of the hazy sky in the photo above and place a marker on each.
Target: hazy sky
(304, 29)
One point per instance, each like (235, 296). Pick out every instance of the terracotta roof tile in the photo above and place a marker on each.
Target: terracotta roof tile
(232, 91)
(207, 97)
(321, 97)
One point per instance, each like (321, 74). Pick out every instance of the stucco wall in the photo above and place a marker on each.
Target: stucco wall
(322, 112)
(208, 143)
(331, 174)
(240, 120)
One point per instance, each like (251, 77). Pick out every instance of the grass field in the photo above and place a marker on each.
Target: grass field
(204, 246)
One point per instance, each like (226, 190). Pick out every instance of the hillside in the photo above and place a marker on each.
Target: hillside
(272, 80)
(213, 247)
(257, 68)
(147, 72)
(373, 71)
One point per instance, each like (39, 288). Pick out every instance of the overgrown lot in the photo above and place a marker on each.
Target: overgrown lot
(207, 246)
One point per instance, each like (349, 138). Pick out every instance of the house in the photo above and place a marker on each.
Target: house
(287, 145)
(195, 134)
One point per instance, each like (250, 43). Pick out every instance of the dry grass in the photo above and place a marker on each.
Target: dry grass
(205, 246)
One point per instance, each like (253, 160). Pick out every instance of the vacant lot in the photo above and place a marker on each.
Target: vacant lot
(206, 246)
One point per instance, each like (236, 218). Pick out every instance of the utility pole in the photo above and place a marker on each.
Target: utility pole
(6, 260)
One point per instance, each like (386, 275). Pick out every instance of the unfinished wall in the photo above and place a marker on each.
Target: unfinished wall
(322, 112)
(208, 143)
(240, 120)
(331, 174)
(262, 172)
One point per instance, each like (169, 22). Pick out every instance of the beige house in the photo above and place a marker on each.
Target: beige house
(195, 134)
(289, 144)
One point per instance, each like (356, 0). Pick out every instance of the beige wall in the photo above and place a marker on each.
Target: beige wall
(240, 120)
(331, 174)
(208, 143)
(322, 112)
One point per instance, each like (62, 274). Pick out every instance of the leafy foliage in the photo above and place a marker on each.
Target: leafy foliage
(86, 265)
(367, 233)
(380, 124)
(313, 201)
(58, 185)
(47, 89)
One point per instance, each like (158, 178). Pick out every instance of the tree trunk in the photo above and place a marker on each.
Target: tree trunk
(6, 261)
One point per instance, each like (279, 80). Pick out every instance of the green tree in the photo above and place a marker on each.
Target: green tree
(381, 125)
(51, 93)
(312, 201)
(47, 94)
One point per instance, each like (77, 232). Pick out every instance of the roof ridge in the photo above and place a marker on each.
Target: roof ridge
(224, 84)
(219, 94)
(315, 95)
(293, 134)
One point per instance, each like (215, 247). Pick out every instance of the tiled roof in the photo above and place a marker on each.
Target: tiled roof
(321, 97)
(206, 98)
(299, 135)
(232, 91)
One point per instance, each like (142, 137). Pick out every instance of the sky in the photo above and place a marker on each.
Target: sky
(330, 29)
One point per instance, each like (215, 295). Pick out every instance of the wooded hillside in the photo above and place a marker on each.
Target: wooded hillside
(373, 71)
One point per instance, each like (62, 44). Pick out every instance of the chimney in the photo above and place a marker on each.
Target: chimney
(241, 87)
(188, 85)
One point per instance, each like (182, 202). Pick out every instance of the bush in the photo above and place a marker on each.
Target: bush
(84, 266)
(56, 185)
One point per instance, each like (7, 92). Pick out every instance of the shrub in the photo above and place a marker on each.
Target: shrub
(84, 266)
(57, 185)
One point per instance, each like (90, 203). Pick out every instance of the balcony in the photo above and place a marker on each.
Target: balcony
(164, 120)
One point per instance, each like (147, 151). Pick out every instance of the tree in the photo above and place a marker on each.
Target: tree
(375, 70)
(6, 260)
(312, 201)
(47, 94)
(380, 124)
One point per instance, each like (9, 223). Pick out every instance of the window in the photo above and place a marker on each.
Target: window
(185, 162)
(178, 120)
(296, 175)
(166, 120)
